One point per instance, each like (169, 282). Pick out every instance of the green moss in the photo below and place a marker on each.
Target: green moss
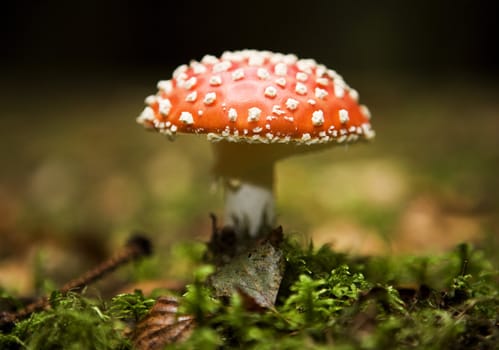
(76, 322)
(198, 300)
(72, 322)
(326, 300)
(130, 307)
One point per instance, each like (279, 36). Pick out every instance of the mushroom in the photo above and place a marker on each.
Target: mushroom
(256, 107)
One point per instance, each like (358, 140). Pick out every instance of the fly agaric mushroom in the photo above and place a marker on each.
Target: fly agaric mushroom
(256, 107)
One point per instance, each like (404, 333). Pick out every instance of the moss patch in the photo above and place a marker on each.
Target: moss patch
(326, 300)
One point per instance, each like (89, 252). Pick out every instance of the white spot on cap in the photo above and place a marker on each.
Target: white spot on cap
(291, 104)
(165, 85)
(270, 91)
(164, 106)
(257, 129)
(306, 65)
(258, 138)
(191, 97)
(306, 136)
(221, 66)
(276, 57)
(262, 73)
(209, 59)
(256, 59)
(232, 114)
(365, 111)
(232, 56)
(339, 90)
(354, 95)
(215, 80)
(280, 69)
(197, 67)
(186, 118)
(321, 70)
(352, 137)
(229, 55)
(173, 128)
(311, 102)
(238, 74)
(318, 118)
(300, 89)
(254, 114)
(333, 75)
(276, 109)
(211, 136)
(322, 81)
(281, 82)
(181, 79)
(290, 58)
(190, 83)
(179, 71)
(320, 93)
(301, 76)
(209, 98)
(146, 115)
(368, 132)
(344, 117)
(151, 99)
(289, 119)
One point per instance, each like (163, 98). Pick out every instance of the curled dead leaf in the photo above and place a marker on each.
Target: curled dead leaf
(162, 325)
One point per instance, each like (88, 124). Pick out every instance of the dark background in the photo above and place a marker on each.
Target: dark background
(414, 37)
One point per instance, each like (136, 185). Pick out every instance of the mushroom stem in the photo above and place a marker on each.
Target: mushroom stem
(249, 208)
(247, 172)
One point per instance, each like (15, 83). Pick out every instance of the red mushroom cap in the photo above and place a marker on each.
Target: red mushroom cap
(258, 97)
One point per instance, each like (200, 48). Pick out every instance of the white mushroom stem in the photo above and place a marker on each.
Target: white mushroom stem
(247, 172)
(249, 208)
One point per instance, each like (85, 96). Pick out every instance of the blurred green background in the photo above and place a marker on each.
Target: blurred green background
(78, 175)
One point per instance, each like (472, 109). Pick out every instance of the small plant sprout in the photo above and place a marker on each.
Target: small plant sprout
(256, 107)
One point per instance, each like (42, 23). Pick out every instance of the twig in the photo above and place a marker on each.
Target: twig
(137, 247)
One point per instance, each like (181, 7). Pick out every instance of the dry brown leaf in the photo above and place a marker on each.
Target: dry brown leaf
(162, 325)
